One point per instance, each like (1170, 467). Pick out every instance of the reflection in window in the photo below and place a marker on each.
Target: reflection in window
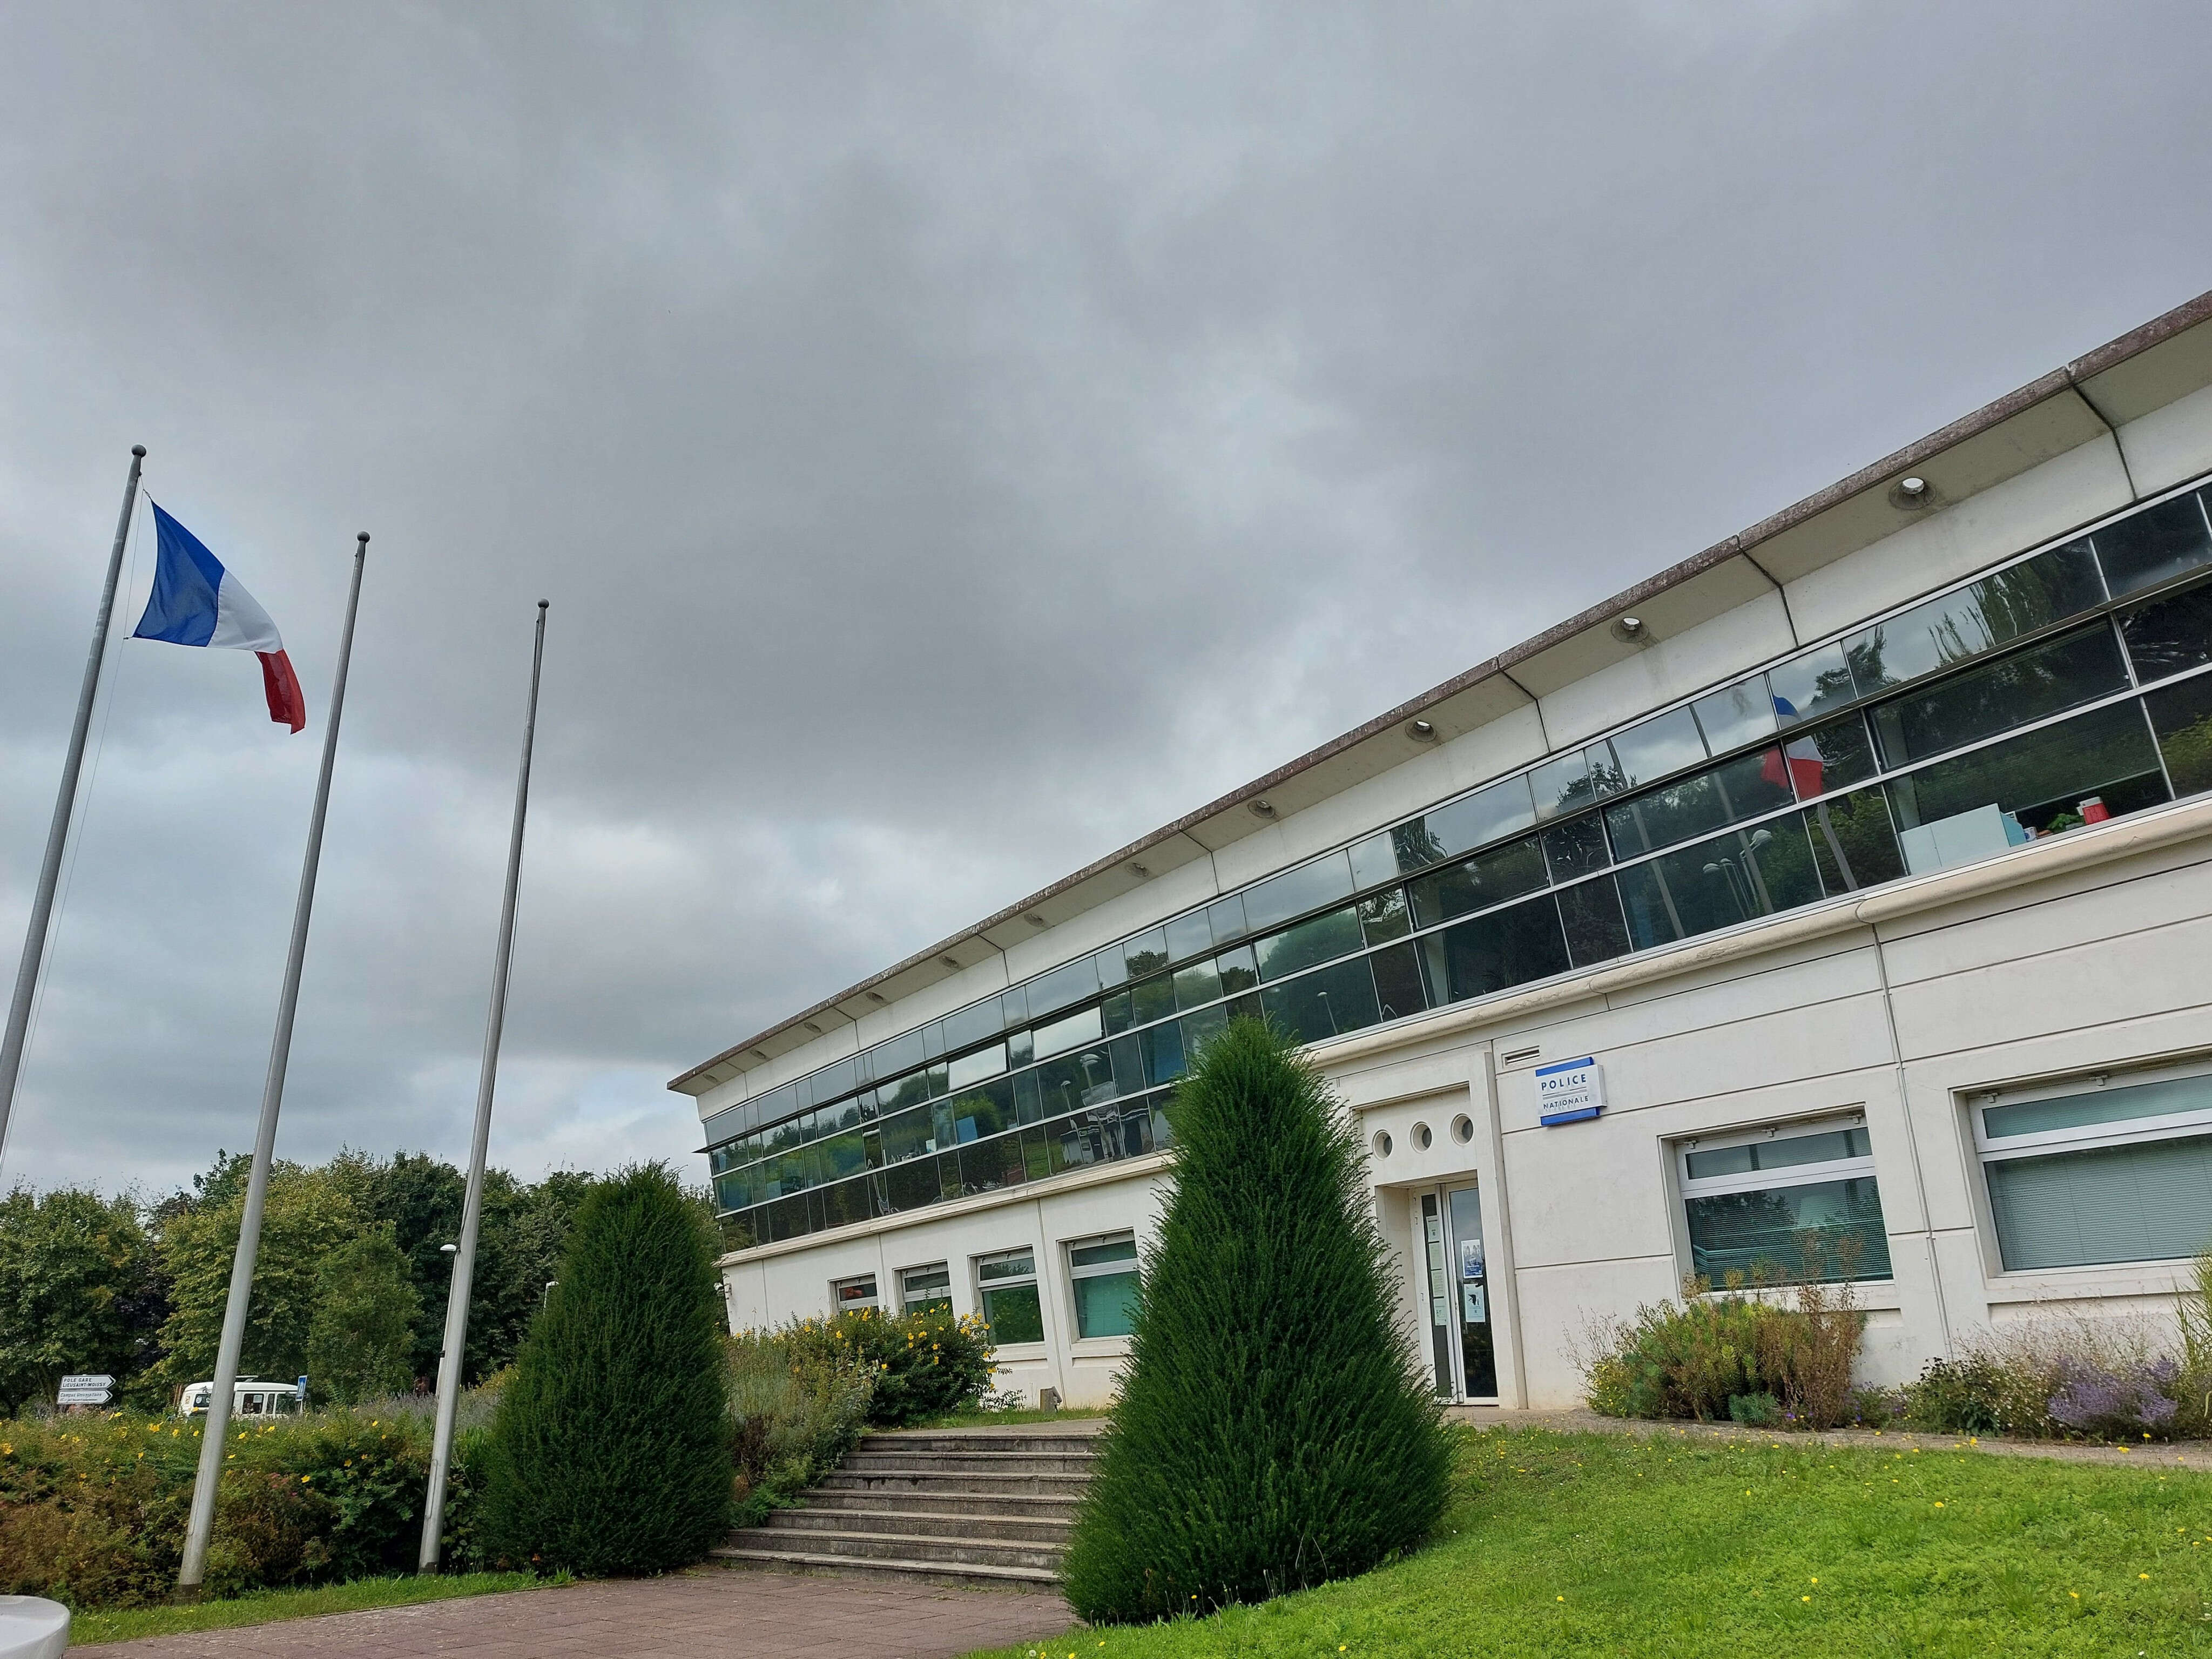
(1986, 613)
(1491, 877)
(1596, 931)
(1239, 970)
(1575, 847)
(1741, 788)
(2169, 634)
(1490, 953)
(1562, 785)
(2060, 673)
(1325, 938)
(1296, 891)
(1397, 988)
(1784, 1209)
(2154, 545)
(1808, 686)
(1317, 1007)
(1854, 841)
(1103, 1274)
(1731, 879)
(1463, 825)
(1735, 714)
(2100, 764)
(1383, 917)
(1667, 743)
(2182, 717)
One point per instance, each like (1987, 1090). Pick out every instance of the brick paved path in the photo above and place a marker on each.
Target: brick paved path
(707, 1614)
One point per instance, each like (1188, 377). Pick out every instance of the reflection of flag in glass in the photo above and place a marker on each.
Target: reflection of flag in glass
(1798, 765)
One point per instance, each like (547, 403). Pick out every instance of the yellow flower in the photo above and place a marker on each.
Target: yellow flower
(2142, 1574)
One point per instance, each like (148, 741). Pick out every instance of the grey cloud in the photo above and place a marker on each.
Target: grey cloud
(953, 441)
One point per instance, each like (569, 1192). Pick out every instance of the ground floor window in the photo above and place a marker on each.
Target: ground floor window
(848, 1295)
(1009, 1286)
(926, 1289)
(2113, 1168)
(1104, 1274)
(1783, 1205)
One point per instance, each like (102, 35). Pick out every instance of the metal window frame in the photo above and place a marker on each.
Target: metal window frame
(1757, 1181)
(2089, 1137)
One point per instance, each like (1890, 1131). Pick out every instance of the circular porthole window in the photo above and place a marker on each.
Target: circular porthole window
(1463, 1128)
(1422, 1138)
(1381, 1143)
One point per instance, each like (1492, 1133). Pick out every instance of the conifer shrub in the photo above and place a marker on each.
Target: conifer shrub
(610, 1450)
(1272, 1431)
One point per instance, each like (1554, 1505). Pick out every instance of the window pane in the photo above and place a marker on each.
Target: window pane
(1112, 1249)
(1665, 744)
(1154, 998)
(1373, 860)
(1562, 785)
(909, 1186)
(2149, 1202)
(1979, 617)
(1323, 1005)
(2138, 1100)
(1189, 936)
(1596, 932)
(1740, 788)
(969, 1025)
(1198, 984)
(2169, 634)
(1162, 1046)
(1113, 967)
(974, 1068)
(2153, 545)
(988, 1165)
(1830, 757)
(1239, 970)
(1080, 1027)
(1398, 989)
(1808, 686)
(1983, 702)
(2182, 716)
(1505, 948)
(927, 1289)
(1854, 842)
(1482, 817)
(1576, 847)
(1735, 714)
(1014, 1314)
(1118, 1012)
(2039, 781)
(839, 1077)
(1296, 891)
(1490, 878)
(1201, 1029)
(1381, 917)
(1069, 983)
(1323, 938)
(1148, 953)
(1827, 1230)
(1106, 1305)
(983, 1112)
(1716, 883)
(1014, 1264)
(1225, 917)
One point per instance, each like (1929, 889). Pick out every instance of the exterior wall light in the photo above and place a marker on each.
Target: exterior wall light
(1139, 871)
(1630, 631)
(952, 962)
(1035, 921)
(1912, 489)
(1421, 731)
(1262, 809)
(1910, 492)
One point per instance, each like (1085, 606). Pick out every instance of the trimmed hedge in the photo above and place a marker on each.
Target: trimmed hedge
(1273, 1432)
(611, 1452)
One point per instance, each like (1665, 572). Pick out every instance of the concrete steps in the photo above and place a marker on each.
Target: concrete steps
(977, 1506)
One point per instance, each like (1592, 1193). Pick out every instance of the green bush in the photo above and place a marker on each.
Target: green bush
(610, 1449)
(1732, 1357)
(924, 1364)
(92, 1509)
(793, 1417)
(360, 1337)
(1272, 1431)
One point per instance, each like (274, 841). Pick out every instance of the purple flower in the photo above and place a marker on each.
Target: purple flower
(2092, 1400)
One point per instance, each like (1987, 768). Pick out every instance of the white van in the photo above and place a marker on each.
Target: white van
(249, 1397)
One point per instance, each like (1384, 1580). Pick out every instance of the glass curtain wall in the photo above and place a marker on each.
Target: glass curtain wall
(2073, 687)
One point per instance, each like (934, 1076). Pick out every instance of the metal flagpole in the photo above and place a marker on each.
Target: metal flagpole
(49, 869)
(215, 1423)
(465, 1260)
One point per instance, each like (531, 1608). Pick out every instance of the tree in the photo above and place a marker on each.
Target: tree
(307, 1214)
(610, 1451)
(360, 1339)
(77, 1280)
(1272, 1431)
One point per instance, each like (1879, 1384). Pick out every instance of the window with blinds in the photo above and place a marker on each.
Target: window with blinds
(2098, 1170)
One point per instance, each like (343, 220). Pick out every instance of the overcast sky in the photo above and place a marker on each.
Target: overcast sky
(954, 440)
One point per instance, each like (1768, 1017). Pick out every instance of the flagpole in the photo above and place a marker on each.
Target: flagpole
(215, 1421)
(49, 868)
(464, 1258)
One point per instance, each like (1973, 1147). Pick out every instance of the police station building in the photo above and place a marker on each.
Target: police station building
(1836, 902)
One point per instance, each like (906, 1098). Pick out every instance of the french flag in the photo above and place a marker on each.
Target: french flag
(1798, 763)
(195, 601)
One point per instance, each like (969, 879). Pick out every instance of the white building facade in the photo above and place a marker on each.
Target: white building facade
(1836, 903)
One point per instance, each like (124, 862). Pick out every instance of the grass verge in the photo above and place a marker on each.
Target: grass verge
(971, 1419)
(267, 1607)
(1588, 1545)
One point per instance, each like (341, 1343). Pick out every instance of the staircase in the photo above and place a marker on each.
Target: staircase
(971, 1506)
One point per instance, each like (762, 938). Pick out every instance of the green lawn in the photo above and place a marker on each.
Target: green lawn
(1564, 1544)
(90, 1629)
(971, 1419)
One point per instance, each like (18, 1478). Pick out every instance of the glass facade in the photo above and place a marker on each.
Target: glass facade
(2072, 686)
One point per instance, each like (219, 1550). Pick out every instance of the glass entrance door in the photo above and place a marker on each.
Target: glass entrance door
(1468, 1279)
(1435, 1266)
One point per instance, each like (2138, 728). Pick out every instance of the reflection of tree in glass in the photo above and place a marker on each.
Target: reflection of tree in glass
(1415, 847)
(1862, 669)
